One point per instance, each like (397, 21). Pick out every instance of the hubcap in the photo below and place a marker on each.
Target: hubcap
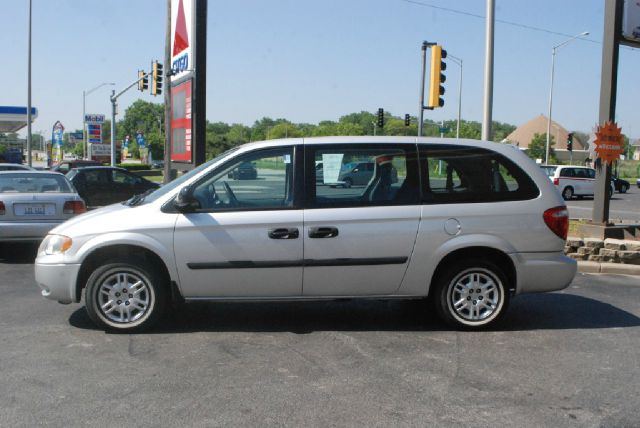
(474, 295)
(124, 297)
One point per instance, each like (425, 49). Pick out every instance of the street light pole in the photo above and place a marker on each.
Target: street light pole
(84, 124)
(553, 62)
(458, 61)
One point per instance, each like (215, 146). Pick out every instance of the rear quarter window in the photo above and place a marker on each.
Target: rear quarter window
(462, 174)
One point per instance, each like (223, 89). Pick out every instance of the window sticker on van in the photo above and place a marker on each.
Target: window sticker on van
(331, 165)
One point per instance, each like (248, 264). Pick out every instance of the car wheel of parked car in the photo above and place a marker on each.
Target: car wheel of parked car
(348, 182)
(472, 294)
(567, 193)
(125, 296)
(623, 188)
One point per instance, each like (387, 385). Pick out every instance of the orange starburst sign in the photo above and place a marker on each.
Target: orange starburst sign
(609, 142)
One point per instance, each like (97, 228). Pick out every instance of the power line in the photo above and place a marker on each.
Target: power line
(502, 21)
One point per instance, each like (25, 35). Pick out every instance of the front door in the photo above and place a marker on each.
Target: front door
(246, 239)
(358, 240)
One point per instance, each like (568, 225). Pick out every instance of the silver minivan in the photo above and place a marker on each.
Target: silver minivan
(464, 223)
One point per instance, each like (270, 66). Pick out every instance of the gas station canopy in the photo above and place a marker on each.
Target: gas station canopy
(13, 118)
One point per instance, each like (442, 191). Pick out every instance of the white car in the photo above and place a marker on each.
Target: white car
(34, 202)
(571, 180)
(468, 224)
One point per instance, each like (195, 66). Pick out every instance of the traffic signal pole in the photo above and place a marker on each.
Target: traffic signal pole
(114, 108)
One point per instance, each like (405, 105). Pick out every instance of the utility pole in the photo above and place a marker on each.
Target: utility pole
(29, 161)
(488, 72)
(608, 91)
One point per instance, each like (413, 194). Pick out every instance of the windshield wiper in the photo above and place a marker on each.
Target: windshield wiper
(137, 199)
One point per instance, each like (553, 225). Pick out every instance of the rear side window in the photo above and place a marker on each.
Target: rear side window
(459, 174)
(359, 175)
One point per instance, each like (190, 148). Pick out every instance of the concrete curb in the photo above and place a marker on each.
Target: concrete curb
(616, 268)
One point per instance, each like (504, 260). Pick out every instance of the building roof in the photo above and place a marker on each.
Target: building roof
(14, 118)
(524, 133)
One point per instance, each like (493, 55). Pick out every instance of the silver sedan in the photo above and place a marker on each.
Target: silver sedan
(34, 202)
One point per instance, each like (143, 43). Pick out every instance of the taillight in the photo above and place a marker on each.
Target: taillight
(74, 207)
(556, 181)
(557, 219)
(1, 208)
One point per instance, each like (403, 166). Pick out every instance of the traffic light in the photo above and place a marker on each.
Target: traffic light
(156, 78)
(570, 141)
(407, 120)
(437, 78)
(143, 81)
(380, 121)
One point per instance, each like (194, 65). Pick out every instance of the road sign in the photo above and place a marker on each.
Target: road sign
(609, 142)
(94, 118)
(140, 140)
(444, 129)
(76, 136)
(94, 133)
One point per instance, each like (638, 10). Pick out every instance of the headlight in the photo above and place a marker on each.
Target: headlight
(55, 244)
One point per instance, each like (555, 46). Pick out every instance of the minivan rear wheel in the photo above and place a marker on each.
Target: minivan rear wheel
(567, 193)
(125, 297)
(471, 295)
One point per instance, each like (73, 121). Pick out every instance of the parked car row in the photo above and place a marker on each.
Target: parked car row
(34, 202)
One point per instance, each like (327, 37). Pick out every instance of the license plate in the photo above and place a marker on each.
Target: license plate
(34, 209)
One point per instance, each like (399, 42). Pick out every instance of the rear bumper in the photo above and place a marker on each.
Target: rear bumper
(540, 272)
(58, 281)
(26, 231)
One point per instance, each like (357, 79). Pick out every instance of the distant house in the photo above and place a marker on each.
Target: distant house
(524, 133)
(636, 149)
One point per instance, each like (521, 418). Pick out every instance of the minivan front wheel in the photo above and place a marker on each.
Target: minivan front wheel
(124, 296)
(472, 294)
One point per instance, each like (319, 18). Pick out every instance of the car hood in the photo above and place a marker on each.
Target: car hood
(105, 219)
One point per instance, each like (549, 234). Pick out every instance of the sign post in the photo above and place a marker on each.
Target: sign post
(187, 124)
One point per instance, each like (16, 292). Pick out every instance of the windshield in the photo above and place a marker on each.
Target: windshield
(182, 179)
(549, 170)
(34, 183)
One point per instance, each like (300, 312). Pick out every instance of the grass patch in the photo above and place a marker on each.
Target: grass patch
(573, 227)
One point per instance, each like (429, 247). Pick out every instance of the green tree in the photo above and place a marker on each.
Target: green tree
(538, 146)
(148, 118)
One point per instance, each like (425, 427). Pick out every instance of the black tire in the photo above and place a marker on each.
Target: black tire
(452, 286)
(567, 193)
(150, 293)
(623, 188)
(348, 182)
(610, 193)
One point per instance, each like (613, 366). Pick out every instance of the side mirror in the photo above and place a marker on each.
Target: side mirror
(185, 202)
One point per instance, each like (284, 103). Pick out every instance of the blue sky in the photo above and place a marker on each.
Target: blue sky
(316, 60)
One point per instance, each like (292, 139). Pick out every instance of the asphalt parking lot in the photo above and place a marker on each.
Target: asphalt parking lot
(623, 206)
(560, 359)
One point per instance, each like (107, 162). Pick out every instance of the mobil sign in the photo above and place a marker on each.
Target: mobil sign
(182, 25)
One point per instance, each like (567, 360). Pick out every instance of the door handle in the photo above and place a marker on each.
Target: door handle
(284, 233)
(323, 232)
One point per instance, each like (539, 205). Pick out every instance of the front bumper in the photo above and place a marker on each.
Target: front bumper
(541, 272)
(58, 281)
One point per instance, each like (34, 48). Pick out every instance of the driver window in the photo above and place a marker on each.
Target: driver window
(258, 180)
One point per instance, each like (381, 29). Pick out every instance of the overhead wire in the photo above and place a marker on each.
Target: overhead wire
(502, 21)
